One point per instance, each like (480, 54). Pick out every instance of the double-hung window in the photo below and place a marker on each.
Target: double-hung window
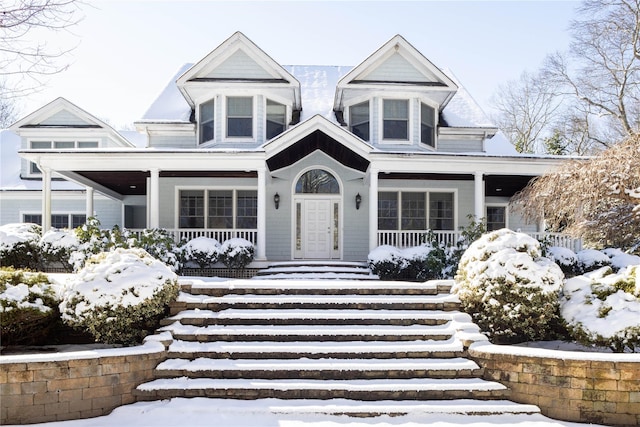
(207, 121)
(427, 125)
(239, 117)
(395, 119)
(359, 120)
(276, 118)
(496, 217)
(221, 209)
(415, 210)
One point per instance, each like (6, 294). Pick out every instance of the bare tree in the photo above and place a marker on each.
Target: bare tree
(26, 57)
(596, 198)
(525, 108)
(602, 68)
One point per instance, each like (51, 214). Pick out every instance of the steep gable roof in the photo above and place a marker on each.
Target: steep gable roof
(240, 60)
(63, 114)
(397, 63)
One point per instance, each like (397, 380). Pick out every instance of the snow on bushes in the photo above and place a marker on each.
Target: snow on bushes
(603, 308)
(19, 245)
(160, 244)
(58, 247)
(202, 251)
(236, 253)
(509, 289)
(423, 262)
(119, 296)
(591, 259)
(28, 306)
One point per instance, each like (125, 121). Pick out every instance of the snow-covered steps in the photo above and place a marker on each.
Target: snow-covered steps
(319, 369)
(316, 349)
(375, 389)
(318, 270)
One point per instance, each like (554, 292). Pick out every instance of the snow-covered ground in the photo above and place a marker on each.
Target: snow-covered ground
(280, 413)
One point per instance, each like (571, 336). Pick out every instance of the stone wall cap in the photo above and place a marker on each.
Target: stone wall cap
(512, 350)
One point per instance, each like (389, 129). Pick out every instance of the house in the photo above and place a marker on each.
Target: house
(306, 162)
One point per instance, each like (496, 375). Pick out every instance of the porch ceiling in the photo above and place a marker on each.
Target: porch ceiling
(317, 140)
(494, 185)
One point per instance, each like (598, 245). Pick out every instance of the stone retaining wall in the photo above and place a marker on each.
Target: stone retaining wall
(64, 386)
(571, 386)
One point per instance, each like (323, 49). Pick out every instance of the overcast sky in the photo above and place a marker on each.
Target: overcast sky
(129, 50)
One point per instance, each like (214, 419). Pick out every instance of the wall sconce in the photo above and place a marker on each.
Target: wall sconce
(276, 200)
(358, 200)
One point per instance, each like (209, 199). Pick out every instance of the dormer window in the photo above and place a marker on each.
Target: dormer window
(396, 119)
(240, 117)
(207, 111)
(60, 145)
(427, 125)
(276, 118)
(359, 120)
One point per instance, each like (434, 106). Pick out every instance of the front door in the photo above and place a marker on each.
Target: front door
(316, 224)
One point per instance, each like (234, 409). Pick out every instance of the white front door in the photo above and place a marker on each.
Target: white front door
(317, 230)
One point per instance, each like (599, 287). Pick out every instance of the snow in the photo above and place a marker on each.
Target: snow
(317, 299)
(12, 234)
(18, 296)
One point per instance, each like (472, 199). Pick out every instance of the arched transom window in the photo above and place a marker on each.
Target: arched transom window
(317, 181)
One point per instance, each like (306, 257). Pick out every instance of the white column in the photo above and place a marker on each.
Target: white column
(89, 202)
(373, 208)
(261, 244)
(46, 199)
(154, 199)
(478, 203)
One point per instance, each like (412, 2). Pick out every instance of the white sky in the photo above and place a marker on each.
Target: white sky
(129, 50)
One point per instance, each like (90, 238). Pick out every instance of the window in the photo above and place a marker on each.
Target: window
(441, 211)
(396, 119)
(317, 181)
(240, 117)
(359, 120)
(207, 111)
(496, 217)
(57, 220)
(407, 210)
(276, 118)
(47, 145)
(388, 211)
(427, 125)
(224, 209)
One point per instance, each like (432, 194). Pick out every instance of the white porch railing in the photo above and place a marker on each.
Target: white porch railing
(220, 234)
(407, 239)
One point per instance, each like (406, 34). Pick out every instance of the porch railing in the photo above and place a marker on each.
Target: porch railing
(406, 239)
(220, 234)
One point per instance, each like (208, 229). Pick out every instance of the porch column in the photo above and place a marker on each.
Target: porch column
(89, 202)
(46, 199)
(478, 203)
(261, 252)
(373, 209)
(154, 199)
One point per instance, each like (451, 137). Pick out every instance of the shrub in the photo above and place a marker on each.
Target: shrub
(591, 259)
(19, 245)
(620, 259)
(565, 258)
(160, 244)
(508, 288)
(202, 251)
(58, 246)
(119, 296)
(28, 307)
(468, 235)
(424, 262)
(602, 308)
(386, 262)
(236, 253)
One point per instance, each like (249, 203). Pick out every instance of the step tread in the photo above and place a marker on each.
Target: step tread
(316, 299)
(412, 384)
(316, 347)
(216, 283)
(322, 314)
(325, 364)
(177, 328)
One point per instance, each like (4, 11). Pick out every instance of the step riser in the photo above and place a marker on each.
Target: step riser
(310, 355)
(295, 337)
(320, 292)
(251, 394)
(302, 322)
(447, 306)
(321, 374)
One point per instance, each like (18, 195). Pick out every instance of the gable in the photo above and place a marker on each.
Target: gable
(397, 68)
(65, 118)
(239, 66)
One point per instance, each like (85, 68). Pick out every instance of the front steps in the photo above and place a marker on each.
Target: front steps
(362, 348)
(317, 270)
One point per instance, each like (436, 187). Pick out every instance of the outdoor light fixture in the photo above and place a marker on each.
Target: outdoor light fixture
(276, 200)
(358, 200)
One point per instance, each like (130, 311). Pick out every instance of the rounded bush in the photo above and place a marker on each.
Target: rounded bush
(203, 251)
(58, 247)
(565, 258)
(236, 253)
(591, 259)
(386, 262)
(19, 245)
(508, 288)
(119, 296)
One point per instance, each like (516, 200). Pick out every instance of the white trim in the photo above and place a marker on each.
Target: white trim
(205, 189)
(254, 120)
(410, 121)
(52, 140)
(427, 191)
(54, 213)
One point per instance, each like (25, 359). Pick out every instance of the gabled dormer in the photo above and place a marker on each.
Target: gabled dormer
(240, 95)
(394, 97)
(62, 125)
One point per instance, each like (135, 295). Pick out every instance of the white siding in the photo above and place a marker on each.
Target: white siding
(64, 117)
(397, 68)
(459, 146)
(172, 141)
(239, 65)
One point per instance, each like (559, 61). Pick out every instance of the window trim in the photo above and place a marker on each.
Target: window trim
(352, 123)
(497, 205)
(225, 121)
(394, 141)
(31, 166)
(435, 126)
(266, 116)
(200, 122)
(68, 214)
(426, 191)
(205, 189)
